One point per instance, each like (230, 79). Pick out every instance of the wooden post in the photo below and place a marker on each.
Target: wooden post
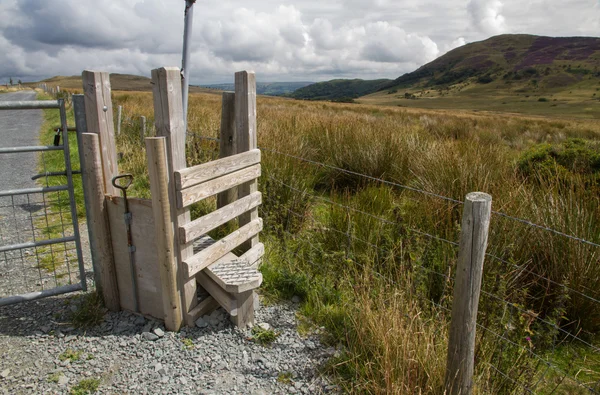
(168, 117)
(156, 148)
(227, 145)
(467, 287)
(245, 138)
(143, 128)
(97, 216)
(119, 114)
(99, 118)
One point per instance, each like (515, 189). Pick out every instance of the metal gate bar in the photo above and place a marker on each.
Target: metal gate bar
(81, 285)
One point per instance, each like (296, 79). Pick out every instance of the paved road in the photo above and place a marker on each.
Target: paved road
(18, 128)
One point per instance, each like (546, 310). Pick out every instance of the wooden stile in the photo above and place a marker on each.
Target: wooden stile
(192, 176)
(225, 299)
(168, 115)
(198, 192)
(211, 254)
(205, 307)
(157, 166)
(205, 224)
(99, 117)
(246, 139)
(100, 244)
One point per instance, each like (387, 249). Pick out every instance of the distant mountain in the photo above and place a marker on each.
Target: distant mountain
(265, 88)
(339, 90)
(550, 61)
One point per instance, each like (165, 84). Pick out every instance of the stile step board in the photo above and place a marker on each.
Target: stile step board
(232, 274)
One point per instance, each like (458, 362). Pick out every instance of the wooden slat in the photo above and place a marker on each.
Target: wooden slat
(246, 139)
(191, 176)
(205, 307)
(205, 224)
(168, 117)
(227, 143)
(99, 118)
(211, 254)
(157, 169)
(253, 255)
(212, 187)
(226, 300)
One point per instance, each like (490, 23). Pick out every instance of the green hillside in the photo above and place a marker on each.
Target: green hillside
(339, 90)
(265, 88)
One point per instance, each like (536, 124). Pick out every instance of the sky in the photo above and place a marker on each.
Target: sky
(301, 40)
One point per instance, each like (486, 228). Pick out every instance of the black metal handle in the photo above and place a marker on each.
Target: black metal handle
(123, 187)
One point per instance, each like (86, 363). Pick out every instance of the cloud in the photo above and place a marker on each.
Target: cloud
(486, 16)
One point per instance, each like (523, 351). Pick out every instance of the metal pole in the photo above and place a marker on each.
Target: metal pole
(185, 73)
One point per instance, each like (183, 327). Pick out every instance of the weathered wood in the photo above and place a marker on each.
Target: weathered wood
(210, 255)
(157, 167)
(142, 128)
(143, 236)
(227, 142)
(234, 275)
(205, 224)
(119, 115)
(205, 307)
(195, 175)
(198, 192)
(225, 299)
(168, 116)
(97, 217)
(246, 140)
(244, 316)
(253, 256)
(467, 287)
(99, 117)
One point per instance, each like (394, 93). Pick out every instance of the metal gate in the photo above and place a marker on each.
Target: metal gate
(39, 233)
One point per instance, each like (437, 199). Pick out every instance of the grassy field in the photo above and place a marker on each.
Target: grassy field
(369, 259)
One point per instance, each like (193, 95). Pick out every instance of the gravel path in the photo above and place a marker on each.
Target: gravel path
(130, 354)
(43, 354)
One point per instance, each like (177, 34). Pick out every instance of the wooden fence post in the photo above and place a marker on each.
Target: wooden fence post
(227, 143)
(467, 287)
(97, 217)
(143, 128)
(157, 166)
(245, 138)
(168, 117)
(99, 118)
(119, 114)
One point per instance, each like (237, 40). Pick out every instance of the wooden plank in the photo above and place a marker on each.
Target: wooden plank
(211, 254)
(119, 114)
(234, 275)
(227, 143)
(168, 116)
(244, 316)
(98, 226)
(205, 307)
(226, 300)
(209, 188)
(467, 287)
(205, 224)
(245, 126)
(99, 117)
(191, 176)
(161, 207)
(143, 235)
(254, 255)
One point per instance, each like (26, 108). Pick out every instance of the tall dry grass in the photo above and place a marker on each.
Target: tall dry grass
(393, 331)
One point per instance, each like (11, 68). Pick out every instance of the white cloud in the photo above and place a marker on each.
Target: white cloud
(486, 16)
(279, 39)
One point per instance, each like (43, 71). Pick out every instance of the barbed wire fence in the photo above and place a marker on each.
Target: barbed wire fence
(520, 361)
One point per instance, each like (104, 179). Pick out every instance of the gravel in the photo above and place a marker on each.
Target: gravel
(128, 353)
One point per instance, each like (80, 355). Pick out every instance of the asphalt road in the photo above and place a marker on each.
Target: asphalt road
(18, 128)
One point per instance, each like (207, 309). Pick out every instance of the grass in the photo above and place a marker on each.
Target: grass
(70, 355)
(380, 287)
(85, 387)
(188, 343)
(264, 337)
(89, 310)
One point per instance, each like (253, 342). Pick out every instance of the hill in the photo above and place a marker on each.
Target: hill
(339, 90)
(265, 88)
(515, 73)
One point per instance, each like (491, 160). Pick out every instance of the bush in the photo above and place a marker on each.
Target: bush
(543, 99)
